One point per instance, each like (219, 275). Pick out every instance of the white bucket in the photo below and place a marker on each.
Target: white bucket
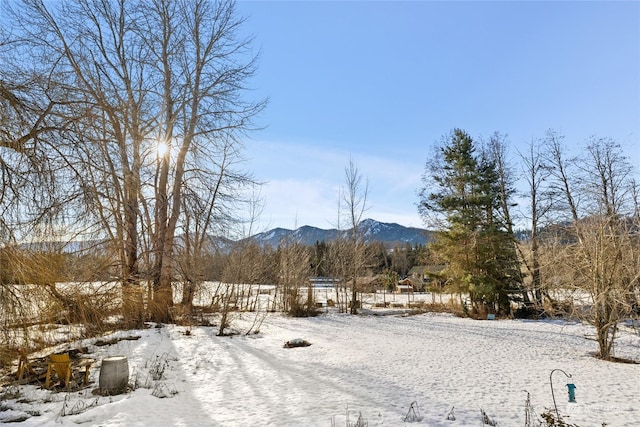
(114, 375)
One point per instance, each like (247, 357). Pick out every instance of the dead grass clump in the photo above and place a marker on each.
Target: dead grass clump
(445, 308)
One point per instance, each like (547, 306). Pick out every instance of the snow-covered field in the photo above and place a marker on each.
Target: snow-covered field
(375, 366)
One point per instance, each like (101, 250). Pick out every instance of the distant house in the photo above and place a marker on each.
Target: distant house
(367, 283)
(426, 275)
(405, 286)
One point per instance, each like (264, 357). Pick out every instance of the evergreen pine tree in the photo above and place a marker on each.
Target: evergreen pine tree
(474, 240)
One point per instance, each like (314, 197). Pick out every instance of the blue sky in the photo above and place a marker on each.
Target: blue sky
(381, 82)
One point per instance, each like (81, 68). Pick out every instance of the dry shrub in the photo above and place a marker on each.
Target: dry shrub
(444, 308)
(40, 316)
(86, 304)
(302, 310)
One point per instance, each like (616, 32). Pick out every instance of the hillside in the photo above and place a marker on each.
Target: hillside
(390, 234)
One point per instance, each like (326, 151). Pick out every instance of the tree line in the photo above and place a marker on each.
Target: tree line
(51, 263)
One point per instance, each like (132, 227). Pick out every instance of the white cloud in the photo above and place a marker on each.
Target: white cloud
(303, 180)
(292, 203)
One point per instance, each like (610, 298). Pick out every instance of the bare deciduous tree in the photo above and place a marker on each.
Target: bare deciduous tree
(293, 275)
(497, 148)
(130, 77)
(601, 239)
(535, 173)
(354, 204)
(208, 205)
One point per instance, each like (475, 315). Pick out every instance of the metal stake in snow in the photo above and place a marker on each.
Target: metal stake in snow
(552, 394)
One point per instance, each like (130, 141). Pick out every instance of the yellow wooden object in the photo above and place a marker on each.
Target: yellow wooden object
(61, 364)
(24, 367)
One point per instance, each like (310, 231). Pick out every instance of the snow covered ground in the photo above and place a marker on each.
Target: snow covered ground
(373, 366)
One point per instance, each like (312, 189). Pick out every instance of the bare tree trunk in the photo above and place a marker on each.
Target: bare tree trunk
(536, 173)
(354, 197)
(498, 150)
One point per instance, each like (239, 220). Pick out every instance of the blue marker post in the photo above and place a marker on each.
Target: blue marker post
(572, 392)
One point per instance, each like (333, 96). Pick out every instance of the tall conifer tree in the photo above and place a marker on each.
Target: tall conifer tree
(463, 188)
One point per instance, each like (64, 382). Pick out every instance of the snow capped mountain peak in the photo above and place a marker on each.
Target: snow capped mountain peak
(373, 231)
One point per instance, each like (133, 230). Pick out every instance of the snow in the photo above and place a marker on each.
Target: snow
(373, 366)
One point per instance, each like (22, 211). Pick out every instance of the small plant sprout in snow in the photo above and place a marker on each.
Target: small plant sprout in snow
(158, 366)
(413, 415)
(450, 416)
(486, 420)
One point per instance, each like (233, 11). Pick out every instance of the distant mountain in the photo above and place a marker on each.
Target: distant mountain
(390, 234)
